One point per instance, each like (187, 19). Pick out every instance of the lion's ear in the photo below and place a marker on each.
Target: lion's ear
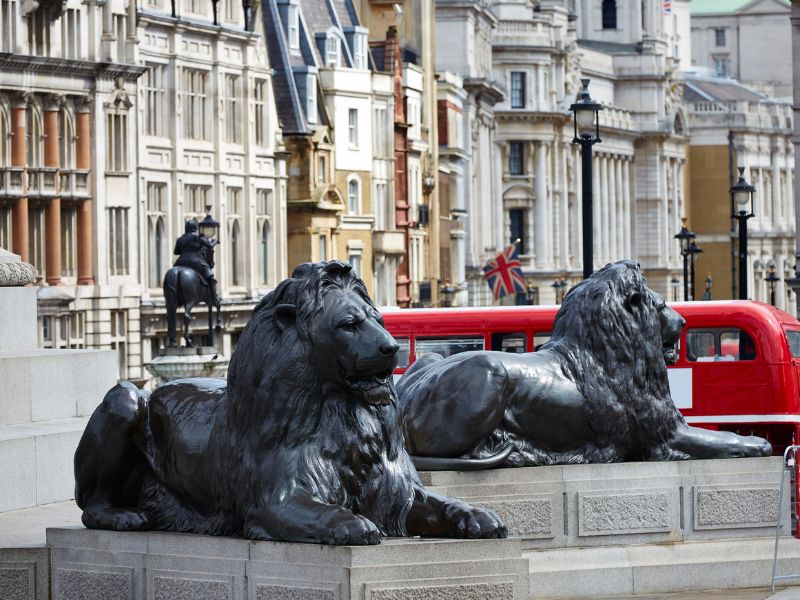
(285, 315)
(634, 299)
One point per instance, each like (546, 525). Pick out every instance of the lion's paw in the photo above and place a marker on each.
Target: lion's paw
(353, 531)
(473, 522)
(117, 519)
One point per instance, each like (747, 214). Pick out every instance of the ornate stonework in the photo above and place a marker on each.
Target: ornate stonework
(14, 272)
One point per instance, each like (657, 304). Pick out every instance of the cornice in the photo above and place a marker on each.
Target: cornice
(61, 66)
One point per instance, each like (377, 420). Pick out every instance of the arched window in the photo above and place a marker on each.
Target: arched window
(66, 140)
(263, 254)
(33, 129)
(235, 251)
(353, 196)
(157, 237)
(5, 146)
(609, 14)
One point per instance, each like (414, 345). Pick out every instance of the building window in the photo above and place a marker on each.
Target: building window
(235, 254)
(294, 27)
(719, 37)
(69, 244)
(360, 51)
(119, 336)
(609, 14)
(196, 201)
(321, 174)
(721, 66)
(263, 253)
(117, 227)
(71, 33)
(34, 143)
(352, 127)
(380, 130)
(517, 89)
(119, 36)
(261, 115)
(39, 22)
(117, 142)
(323, 255)
(515, 158)
(5, 226)
(8, 25)
(197, 7)
(66, 140)
(36, 230)
(232, 109)
(516, 217)
(231, 8)
(332, 51)
(311, 100)
(196, 116)
(154, 83)
(355, 262)
(353, 196)
(156, 233)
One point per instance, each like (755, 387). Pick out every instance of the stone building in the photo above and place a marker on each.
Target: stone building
(68, 158)
(336, 114)
(744, 40)
(761, 142)
(209, 142)
(629, 52)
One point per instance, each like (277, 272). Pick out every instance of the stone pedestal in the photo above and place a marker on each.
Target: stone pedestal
(183, 362)
(168, 566)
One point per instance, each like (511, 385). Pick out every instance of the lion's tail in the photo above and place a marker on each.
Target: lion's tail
(429, 463)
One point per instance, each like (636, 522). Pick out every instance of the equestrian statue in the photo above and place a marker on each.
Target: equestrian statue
(191, 281)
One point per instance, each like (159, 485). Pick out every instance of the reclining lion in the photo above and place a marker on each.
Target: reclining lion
(303, 444)
(596, 392)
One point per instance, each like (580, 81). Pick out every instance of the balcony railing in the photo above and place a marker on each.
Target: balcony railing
(11, 181)
(75, 183)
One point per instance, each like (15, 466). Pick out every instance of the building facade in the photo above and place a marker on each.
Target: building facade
(744, 40)
(209, 142)
(68, 158)
(734, 126)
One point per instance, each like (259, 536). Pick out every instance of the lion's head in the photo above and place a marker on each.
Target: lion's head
(317, 333)
(619, 335)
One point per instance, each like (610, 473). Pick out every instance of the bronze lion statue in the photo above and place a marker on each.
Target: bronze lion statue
(597, 392)
(303, 444)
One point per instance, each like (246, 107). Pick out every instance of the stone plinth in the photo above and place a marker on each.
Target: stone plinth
(626, 503)
(169, 566)
(183, 362)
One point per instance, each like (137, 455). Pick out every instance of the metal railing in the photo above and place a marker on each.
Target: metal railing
(789, 463)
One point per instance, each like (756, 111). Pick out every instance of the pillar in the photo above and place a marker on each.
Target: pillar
(627, 208)
(52, 213)
(83, 161)
(620, 210)
(605, 207)
(540, 207)
(19, 211)
(596, 212)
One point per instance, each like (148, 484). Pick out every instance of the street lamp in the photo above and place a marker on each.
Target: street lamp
(771, 280)
(559, 286)
(709, 282)
(586, 125)
(675, 283)
(694, 250)
(448, 291)
(743, 201)
(531, 292)
(685, 237)
(209, 226)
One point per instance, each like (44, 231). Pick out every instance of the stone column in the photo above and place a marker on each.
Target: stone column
(52, 215)
(776, 188)
(540, 206)
(19, 212)
(605, 208)
(619, 207)
(83, 160)
(596, 212)
(613, 209)
(627, 208)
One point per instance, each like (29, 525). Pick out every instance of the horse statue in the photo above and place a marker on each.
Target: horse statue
(190, 282)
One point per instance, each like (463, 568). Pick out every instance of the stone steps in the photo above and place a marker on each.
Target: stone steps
(658, 568)
(36, 462)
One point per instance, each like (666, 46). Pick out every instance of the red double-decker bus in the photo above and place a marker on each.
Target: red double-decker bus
(738, 365)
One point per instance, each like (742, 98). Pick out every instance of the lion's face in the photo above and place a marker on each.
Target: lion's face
(671, 326)
(354, 350)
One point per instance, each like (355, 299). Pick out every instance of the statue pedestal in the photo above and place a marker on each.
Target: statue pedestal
(183, 362)
(149, 566)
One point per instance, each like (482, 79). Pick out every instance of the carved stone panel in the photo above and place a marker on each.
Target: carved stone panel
(733, 507)
(624, 511)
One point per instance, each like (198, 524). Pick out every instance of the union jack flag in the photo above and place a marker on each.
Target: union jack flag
(504, 273)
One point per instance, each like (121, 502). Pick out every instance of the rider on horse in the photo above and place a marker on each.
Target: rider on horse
(196, 252)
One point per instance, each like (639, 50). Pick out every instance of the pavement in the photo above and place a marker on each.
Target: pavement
(26, 528)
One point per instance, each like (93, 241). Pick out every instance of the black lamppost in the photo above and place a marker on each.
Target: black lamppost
(675, 283)
(771, 280)
(559, 286)
(694, 250)
(685, 237)
(586, 126)
(709, 282)
(743, 202)
(531, 292)
(209, 226)
(448, 291)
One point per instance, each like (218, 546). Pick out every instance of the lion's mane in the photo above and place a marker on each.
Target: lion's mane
(278, 361)
(608, 335)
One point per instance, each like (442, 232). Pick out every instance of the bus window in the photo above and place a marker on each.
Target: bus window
(540, 339)
(509, 342)
(719, 345)
(447, 346)
(403, 353)
(793, 338)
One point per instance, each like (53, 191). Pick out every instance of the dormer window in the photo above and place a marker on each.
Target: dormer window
(311, 98)
(359, 51)
(294, 27)
(332, 52)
